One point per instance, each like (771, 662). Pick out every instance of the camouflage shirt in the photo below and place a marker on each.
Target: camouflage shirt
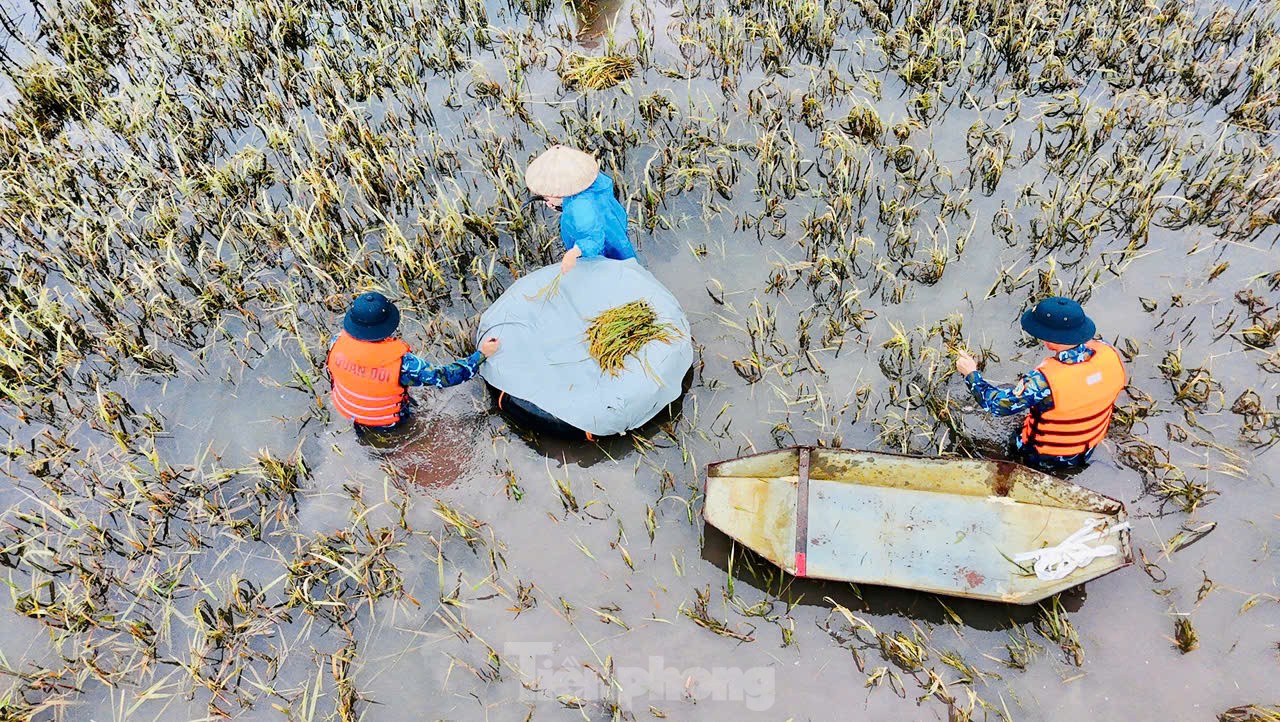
(1030, 392)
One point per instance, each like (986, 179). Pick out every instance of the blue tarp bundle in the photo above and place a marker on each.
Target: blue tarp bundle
(544, 359)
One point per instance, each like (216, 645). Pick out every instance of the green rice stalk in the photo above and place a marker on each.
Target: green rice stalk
(622, 331)
(549, 291)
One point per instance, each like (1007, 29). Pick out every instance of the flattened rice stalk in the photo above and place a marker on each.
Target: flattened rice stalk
(622, 331)
(549, 291)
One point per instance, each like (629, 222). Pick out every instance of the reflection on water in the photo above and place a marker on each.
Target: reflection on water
(586, 454)
(579, 452)
(595, 18)
(433, 449)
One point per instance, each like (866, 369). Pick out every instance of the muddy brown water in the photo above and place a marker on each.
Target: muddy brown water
(600, 607)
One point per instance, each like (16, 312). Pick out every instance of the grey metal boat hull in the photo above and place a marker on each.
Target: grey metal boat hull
(937, 525)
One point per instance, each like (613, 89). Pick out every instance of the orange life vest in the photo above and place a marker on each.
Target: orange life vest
(365, 376)
(1084, 396)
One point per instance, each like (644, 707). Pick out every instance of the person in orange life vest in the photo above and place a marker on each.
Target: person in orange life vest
(370, 372)
(1069, 397)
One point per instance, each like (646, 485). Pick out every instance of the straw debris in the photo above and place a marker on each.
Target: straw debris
(1251, 713)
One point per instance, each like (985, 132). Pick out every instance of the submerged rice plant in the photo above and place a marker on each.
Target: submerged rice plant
(591, 72)
(190, 195)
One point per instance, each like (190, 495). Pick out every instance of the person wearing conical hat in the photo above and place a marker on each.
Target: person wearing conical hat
(1069, 397)
(592, 222)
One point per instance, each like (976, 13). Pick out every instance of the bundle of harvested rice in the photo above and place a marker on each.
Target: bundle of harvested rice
(589, 72)
(622, 331)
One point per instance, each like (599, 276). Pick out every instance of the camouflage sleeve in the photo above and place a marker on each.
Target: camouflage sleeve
(1031, 390)
(416, 372)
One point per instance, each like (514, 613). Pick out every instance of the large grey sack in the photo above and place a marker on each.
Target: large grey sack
(544, 359)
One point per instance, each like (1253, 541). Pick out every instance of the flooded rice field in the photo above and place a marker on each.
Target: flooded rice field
(842, 194)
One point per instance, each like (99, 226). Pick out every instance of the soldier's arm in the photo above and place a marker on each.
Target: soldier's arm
(1031, 389)
(416, 372)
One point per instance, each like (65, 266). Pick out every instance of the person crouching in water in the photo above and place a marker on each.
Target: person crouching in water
(592, 222)
(1069, 397)
(370, 371)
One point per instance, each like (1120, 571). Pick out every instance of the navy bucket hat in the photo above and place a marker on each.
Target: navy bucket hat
(371, 317)
(1059, 320)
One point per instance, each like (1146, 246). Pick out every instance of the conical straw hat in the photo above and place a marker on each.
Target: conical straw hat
(561, 171)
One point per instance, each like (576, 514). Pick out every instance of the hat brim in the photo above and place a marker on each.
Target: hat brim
(1071, 336)
(378, 332)
(561, 171)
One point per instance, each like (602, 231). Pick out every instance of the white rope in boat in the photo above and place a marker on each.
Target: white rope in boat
(1074, 552)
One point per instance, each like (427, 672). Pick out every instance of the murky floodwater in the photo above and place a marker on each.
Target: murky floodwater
(546, 579)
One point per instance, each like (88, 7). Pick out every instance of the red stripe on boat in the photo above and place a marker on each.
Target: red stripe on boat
(800, 564)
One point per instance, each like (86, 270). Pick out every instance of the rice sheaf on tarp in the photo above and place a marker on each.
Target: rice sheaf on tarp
(545, 359)
(619, 333)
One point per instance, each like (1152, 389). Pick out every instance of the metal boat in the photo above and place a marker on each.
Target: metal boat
(948, 526)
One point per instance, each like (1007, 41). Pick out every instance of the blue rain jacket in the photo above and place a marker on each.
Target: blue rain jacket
(596, 222)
